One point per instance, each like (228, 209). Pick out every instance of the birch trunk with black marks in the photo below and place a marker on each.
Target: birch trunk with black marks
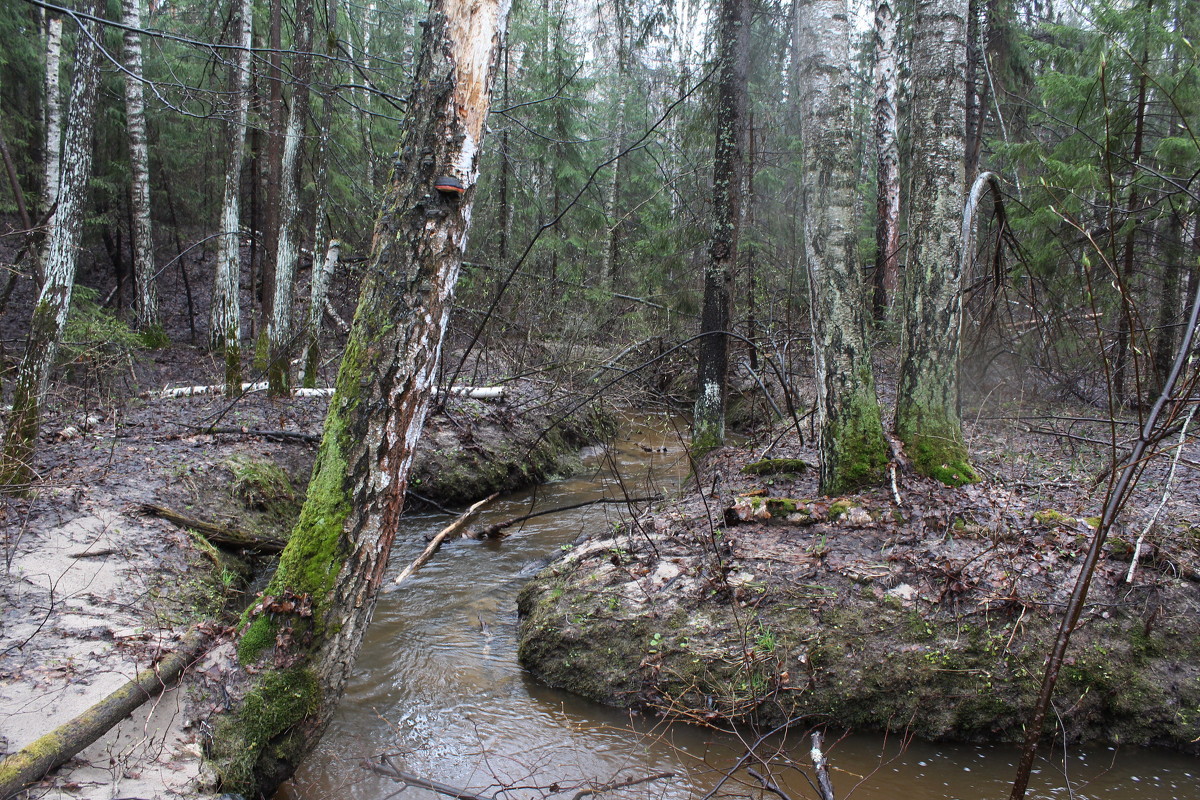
(139, 168)
(226, 313)
(287, 251)
(612, 192)
(53, 114)
(853, 448)
(708, 421)
(300, 650)
(887, 150)
(62, 247)
(927, 416)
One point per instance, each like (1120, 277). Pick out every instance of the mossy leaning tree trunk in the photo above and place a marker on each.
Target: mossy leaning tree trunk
(708, 418)
(927, 419)
(62, 246)
(302, 648)
(853, 448)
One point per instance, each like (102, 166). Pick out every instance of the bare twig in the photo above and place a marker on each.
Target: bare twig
(494, 530)
(824, 785)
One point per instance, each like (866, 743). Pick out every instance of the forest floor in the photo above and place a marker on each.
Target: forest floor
(94, 589)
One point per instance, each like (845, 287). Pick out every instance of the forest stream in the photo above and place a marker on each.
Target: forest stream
(439, 690)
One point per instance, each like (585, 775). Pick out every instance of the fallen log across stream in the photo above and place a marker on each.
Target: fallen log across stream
(446, 532)
(495, 530)
(40, 757)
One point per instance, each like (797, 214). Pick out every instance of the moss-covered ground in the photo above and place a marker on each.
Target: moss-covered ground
(934, 617)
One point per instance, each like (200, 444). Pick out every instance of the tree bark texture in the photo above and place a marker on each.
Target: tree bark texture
(226, 313)
(132, 12)
(927, 417)
(62, 246)
(887, 150)
(336, 557)
(853, 448)
(322, 269)
(53, 114)
(708, 423)
(287, 252)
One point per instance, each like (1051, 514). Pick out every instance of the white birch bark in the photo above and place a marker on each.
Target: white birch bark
(887, 151)
(62, 246)
(853, 449)
(337, 555)
(53, 114)
(287, 253)
(927, 419)
(139, 168)
(226, 311)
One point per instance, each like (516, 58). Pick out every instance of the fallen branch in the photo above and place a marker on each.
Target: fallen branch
(768, 785)
(824, 784)
(493, 531)
(452, 528)
(39, 758)
(220, 534)
(1166, 495)
(277, 435)
(613, 785)
(408, 779)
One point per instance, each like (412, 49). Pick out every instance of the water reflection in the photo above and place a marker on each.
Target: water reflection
(437, 686)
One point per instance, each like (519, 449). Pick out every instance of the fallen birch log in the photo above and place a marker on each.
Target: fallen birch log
(171, 393)
(40, 757)
(449, 530)
(215, 532)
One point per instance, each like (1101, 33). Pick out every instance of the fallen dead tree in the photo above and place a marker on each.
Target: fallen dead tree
(454, 527)
(223, 535)
(496, 530)
(40, 757)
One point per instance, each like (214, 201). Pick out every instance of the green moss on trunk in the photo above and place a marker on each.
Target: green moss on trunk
(934, 442)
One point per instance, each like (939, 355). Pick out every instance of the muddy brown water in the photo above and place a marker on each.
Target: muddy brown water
(437, 687)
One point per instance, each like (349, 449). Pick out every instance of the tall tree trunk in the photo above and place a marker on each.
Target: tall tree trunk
(853, 448)
(273, 169)
(887, 150)
(708, 421)
(139, 169)
(1127, 312)
(53, 115)
(287, 252)
(364, 120)
(927, 418)
(322, 269)
(300, 654)
(62, 247)
(226, 316)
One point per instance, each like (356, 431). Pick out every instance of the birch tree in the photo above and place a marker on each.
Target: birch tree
(299, 654)
(887, 151)
(62, 246)
(708, 421)
(927, 418)
(132, 12)
(287, 252)
(853, 448)
(226, 313)
(53, 113)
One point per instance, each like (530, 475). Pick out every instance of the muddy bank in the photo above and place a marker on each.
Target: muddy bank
(95, 589)
(759, 603)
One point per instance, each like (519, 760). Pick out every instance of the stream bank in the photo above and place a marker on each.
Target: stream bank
(760, 602)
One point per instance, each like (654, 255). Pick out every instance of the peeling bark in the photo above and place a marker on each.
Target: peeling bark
(337, 555)
(708, 422)
(853, 448)
(62, 246)
(927, 419)
(139, 168)
(226, 312)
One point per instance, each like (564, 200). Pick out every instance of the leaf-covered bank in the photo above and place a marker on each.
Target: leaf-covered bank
(761, 603)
